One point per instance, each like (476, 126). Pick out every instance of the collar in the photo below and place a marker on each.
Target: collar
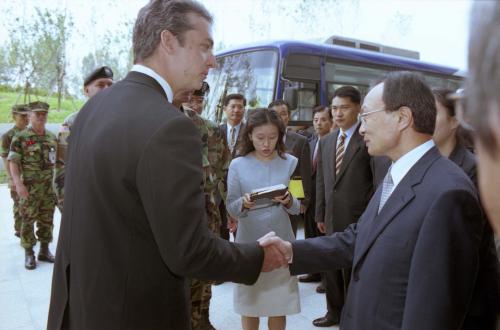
(163, 83)
(403, 165)
(237, 127)
(350, 131)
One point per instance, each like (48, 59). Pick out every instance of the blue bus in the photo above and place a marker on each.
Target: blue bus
(306, 74)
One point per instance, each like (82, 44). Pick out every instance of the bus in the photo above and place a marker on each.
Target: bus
(306, 74)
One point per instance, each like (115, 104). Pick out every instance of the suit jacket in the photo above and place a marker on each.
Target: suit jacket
(239, 139)
(298, 146)
(134, 218)
(415, 265)
(342, 198)
(465, 160)
(312, 145)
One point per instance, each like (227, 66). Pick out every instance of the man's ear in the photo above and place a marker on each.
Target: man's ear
(405, 118)
(86, 91)
(168, 41)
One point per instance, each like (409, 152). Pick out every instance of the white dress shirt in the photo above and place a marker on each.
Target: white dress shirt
(163, 83)
(348, 135)
(236, 133)
(404, 164)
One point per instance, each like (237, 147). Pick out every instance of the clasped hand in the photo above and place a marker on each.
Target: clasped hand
(277, 253)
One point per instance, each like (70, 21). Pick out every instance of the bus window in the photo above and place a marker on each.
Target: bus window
(252, 74)
(351, 74)
(307, 99)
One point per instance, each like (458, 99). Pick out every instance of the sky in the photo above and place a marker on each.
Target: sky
(438, 29)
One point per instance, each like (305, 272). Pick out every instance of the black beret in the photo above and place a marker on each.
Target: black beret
(20, 108)
(205, 88)
(102, 72)
(38, 106)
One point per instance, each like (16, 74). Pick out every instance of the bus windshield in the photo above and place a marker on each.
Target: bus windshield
(252, 74)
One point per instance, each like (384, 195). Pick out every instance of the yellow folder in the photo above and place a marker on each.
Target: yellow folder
(296, 188)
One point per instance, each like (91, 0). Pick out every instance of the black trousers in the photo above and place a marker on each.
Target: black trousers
(337, 282)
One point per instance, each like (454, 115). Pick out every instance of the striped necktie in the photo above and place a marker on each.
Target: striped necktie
(339, 156)
(387, 187)
(232, 143)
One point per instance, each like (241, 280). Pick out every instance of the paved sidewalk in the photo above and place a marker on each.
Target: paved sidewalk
(24, 295)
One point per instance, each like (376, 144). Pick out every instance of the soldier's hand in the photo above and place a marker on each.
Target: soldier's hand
(22, 191)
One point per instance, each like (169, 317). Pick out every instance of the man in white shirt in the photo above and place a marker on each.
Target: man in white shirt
(419, 254)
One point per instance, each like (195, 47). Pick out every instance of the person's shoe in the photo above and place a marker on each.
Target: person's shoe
(310, 278)
(205, 321)
(29, 259)
(16, 233)
(44, 254)
(320, 288)
(326, 321)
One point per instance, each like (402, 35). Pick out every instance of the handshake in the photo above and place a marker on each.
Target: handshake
(277, 252)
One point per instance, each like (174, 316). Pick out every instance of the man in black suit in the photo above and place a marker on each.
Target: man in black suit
(322, 123)
(297, 146)
(344, 186)
(417, 252)
(232, 130)
(134, 224)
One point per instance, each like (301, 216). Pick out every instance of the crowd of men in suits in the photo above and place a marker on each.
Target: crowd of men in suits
(396, 231)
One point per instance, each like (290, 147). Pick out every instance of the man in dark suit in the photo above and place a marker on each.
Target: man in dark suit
(232, 131)
(344, 186)
(297, 146)
(322, 123)
(134, 222)
(417, 251)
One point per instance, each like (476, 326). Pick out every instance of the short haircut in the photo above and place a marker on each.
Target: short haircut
(235, 96)
(259, 117)
(348, 91)
(160, 15)
(278, 103)
(322, 108)
(409, 89)
(483, 79)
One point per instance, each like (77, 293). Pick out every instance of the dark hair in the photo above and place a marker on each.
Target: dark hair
(235, 96)
(322, 108)
(464, 137)
(483, 79)
(408, 89)
(259, 117)
(278, 103)
(160, 15)
(348, 91)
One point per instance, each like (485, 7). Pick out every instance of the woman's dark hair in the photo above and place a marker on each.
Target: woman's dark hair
(259, 117)
(463, 136)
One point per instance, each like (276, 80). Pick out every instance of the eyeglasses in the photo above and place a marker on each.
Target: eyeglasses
(460, 112)
(362, 116)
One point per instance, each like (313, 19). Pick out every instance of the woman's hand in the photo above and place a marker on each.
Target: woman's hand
(286, 200)
(232, 224)
(247, 203)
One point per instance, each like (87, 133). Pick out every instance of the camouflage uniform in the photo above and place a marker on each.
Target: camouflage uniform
(215, 159)
(4, 152)
(35, 155)
(62, 148)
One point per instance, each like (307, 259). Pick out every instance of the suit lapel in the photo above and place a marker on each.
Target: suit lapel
(331, 149)
(400, 197)
(353, 147)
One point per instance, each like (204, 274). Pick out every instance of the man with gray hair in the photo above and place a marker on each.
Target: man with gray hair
(482, 105)
(134, 223)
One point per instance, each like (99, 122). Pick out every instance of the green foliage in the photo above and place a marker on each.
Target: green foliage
(68, 105)
(3, 176)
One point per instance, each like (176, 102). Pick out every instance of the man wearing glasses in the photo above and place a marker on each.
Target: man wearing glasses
(417, 255)
(20, 117)
(344, 186)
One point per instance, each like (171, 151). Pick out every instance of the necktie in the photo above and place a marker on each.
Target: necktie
(387, 187)
(232, 142)
(340, 153)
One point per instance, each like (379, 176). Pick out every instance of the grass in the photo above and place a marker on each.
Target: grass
(3, 176)
(8, 99)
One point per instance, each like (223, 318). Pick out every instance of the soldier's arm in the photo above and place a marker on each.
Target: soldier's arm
(4, 152)
(14, 159)
(59, 168)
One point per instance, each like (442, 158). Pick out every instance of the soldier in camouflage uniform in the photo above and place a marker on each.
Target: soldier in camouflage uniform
(32, 156)
(215, 161)
(99, 79)
(20, 117)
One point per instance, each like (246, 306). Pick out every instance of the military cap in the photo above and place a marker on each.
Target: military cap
(38, 106)
(102, 72)
(20, 109)
(205, 88)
